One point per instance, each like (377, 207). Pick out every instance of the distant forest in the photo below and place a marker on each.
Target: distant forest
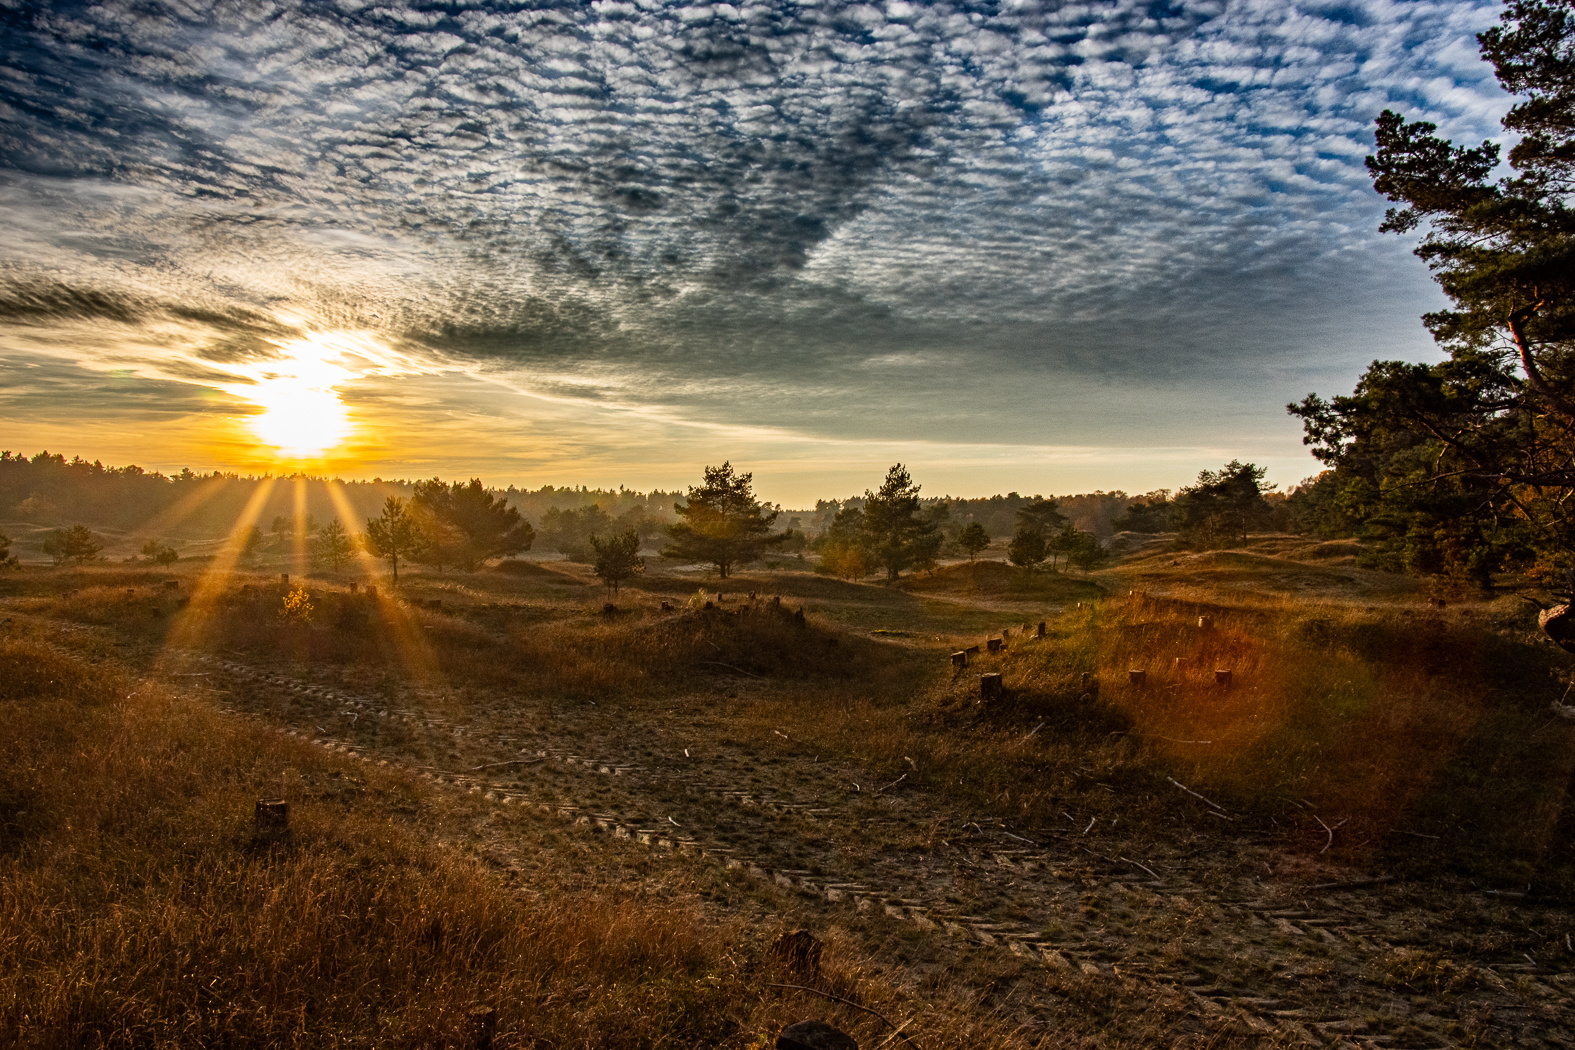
(48, 490)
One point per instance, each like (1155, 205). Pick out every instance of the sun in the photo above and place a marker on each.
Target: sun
(302, 415)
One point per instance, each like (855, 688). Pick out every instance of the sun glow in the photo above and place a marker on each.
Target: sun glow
(302, 414)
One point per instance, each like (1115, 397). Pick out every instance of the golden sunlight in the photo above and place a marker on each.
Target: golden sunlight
(302, 412)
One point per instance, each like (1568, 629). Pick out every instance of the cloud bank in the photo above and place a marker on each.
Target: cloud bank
(1033, 223)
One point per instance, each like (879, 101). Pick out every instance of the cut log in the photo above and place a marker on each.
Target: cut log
(1559, 626)
(989, 687)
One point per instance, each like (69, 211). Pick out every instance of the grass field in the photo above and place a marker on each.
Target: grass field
(594, 822)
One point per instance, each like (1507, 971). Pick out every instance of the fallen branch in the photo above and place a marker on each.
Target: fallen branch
(740, 670)
(1359, 884)
(1145, 867)
(848, 1002)
(893, 784)
(1330, 830)
(1194, 794)
(510, 762)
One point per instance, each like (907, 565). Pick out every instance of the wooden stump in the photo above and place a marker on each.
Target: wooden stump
(354, 587)
(483, 1023)
(272, 816)
(989, 687)
(1041, 632)
(1221, 676)
(814, 1035)
(667, 606)
(284, 579)
(799, 951)
(959, 660)
(1205, 622)
(1137, 677)
(995, 645)
(972, 650)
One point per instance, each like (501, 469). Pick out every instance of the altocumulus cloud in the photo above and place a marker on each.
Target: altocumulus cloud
(803, 215)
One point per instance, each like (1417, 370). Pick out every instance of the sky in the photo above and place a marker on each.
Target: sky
(1044, 247)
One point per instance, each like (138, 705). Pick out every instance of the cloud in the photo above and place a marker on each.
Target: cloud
(741, 211)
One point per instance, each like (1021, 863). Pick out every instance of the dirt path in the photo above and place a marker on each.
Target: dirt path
(1204, 930)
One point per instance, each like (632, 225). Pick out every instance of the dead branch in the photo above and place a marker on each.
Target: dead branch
(1194, 794)
(1145, 867)
(1359, 884)
(1330, 830)
(740, 670)
(893, 784)
(510, 762)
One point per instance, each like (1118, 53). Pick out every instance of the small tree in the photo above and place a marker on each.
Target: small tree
(159, 553)
(898, 535)
(73, 544)
(1063, 542)
(1087, 553)
(1223, 505)
(250, 543)
(843, 547)
(723, 523)
(1027, 548)
(1043, 516)
(618, 558)
(466, 524)
(333, 544)
(394, 534)
(973, 539)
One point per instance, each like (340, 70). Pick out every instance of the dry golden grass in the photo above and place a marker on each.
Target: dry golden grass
(139, 908)
(1429, 737)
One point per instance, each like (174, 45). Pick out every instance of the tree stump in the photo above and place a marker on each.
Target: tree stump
(1041, 632)
(354, 587)
(1222, 676)
(814, 1035)
(972, 651)
(284, 579)
(959, 660)
(989, 687)
(483, 1023)
(994, 644)
(800, 951)
(1559, 626)
(272, 816)
(1205, 622)
(667, 606)
(1137, 677)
